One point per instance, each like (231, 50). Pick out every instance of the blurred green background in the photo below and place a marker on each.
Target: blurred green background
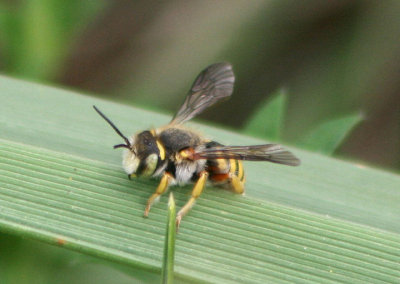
(334, 58)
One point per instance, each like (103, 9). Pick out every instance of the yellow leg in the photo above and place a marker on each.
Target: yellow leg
(161, 188)
(197, 190)
(237, 185)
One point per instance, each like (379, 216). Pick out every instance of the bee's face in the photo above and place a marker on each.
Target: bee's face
(143, 157)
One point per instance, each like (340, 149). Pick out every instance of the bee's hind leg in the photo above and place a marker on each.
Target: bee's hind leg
(161, 188)
(236, 185)
(197, 190)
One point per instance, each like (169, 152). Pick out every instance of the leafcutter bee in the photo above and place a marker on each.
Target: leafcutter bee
(179, 155)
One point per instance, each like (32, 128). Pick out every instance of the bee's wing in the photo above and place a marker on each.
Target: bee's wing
(213, 83)
(268, 152)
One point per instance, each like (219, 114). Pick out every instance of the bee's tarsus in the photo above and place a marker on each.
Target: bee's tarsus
(162, 187)
(178, 222)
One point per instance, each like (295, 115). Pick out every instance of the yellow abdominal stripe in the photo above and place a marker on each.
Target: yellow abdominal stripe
(232, 162)
(223, 164)
(241, 171)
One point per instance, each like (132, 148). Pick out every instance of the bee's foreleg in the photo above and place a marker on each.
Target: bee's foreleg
(197, 190)
(161, 188)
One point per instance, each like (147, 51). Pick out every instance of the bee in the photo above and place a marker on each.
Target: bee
(178, 155)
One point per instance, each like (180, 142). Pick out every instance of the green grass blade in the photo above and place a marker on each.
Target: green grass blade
(328, 136)
(169, 243)
(61, 182)
(267, 121)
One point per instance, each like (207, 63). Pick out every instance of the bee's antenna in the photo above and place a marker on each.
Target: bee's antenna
(128, 144)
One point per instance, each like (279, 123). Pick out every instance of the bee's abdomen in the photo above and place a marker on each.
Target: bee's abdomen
(236, 169)
(228, 173)
(221, 169)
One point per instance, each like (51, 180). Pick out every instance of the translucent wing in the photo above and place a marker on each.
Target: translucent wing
(268, 152)
(212, 84)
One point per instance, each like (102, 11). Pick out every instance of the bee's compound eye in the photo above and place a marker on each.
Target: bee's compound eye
(147, 142)
(151, 165)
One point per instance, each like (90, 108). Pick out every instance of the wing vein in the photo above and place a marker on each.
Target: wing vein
(211, 85)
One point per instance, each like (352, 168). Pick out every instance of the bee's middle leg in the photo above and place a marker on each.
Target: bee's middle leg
(197, 190)
(161, 188)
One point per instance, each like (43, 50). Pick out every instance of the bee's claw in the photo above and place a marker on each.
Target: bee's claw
(146, 212)
(178, 222)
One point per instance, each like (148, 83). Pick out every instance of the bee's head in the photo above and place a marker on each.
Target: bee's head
(143, 152)
(143, 156)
